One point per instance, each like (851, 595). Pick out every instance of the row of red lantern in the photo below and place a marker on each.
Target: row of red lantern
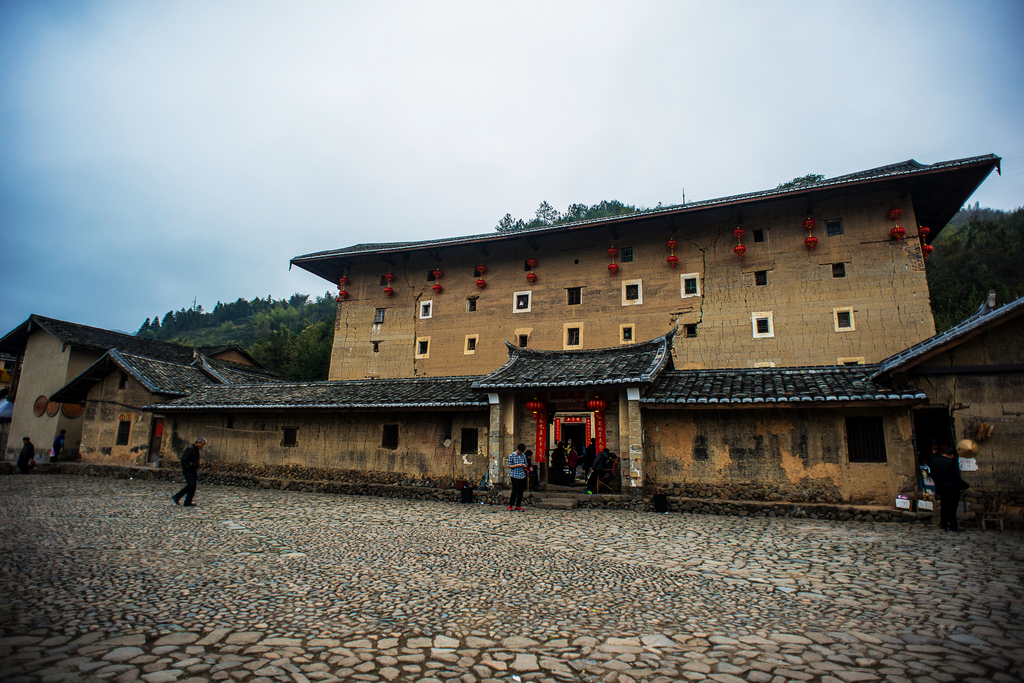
(594, 405)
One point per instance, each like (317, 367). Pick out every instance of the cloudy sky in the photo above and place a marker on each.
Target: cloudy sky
(156, 153)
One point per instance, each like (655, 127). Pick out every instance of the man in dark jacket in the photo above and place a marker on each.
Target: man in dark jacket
(190, 468)
(599, 464)
(28, 451)
(945, 471)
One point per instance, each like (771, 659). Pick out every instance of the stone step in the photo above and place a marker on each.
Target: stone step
(556, 504)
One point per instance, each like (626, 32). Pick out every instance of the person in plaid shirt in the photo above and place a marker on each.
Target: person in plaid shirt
(517, 471)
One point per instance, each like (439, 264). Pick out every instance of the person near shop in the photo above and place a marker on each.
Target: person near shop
(190, 469)
(517, 473)
(28, 452)
(945, 472)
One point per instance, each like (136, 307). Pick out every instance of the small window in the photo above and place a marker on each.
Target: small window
(627, 334)
(390, 437)
(426, 309)
(231, 422)
(521, 302)
(290, 436)
(471, 340)
(843, 319)
(523, 339)
(572, 336)
(834, 228)
(470, 441)
(632, 292)
(690, 284)
(123, 431)
(123, 381)
(759, 235)
(838, 270)
(574, 296)
(378, 316)
(383, 281)
(690, 330)
(762, 324)
(760, 278)
(430, 276)
(470, 305)
(422, 348)
(526, 265)
(376, 347)
(865, 439)
(850, 360)
(626, 255)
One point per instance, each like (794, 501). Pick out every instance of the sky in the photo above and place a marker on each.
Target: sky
(156, 154)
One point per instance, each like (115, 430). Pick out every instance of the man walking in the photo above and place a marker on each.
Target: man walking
(517, 472)
(190, 468)
(28, 452)
(58, 445)
(945, 471)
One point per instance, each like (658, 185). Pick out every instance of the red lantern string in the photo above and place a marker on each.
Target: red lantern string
(896, 233)
(811, 240)
(613, 268)
(738, 233)
(672, 259)
(481, 269)
(342, 295)
(481, 283)
(437, 288)
(388, 292)
(926, 249)
(438, 274)
(532, 277)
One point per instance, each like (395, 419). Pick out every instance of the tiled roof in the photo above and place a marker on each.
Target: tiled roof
(812, 385)
(237, 373)
(902, 169)
(977, 323)
(627, 364)
(103, 340)
(419, 392)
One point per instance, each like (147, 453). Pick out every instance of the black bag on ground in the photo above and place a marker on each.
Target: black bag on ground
(467, 494)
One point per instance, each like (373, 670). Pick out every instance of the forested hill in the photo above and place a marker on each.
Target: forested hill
(979, 250)
(290, 336)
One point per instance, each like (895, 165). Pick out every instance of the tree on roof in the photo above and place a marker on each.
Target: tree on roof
(808, 179)
(548, 215)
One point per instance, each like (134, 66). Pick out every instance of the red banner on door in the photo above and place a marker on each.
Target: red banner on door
(540, 446)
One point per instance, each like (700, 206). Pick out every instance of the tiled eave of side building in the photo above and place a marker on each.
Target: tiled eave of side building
(938, 191)
(631, 364)
(807, 387)
(372, 394)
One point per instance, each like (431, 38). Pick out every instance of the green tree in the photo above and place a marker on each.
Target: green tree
(808, 179)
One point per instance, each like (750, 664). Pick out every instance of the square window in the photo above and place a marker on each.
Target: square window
(762, 324)
(850, 360)
(834, 228)
(289, 436)
(422, 347)
(231, 421)
(426, 309)
(690, 330)
(865, 439)
(574, 296)
(838, 270)
(376, 347)
(123, 382)
(627, 333)
(471, 344)
(521, 302)
(632, 292)
(470, 305)
(470, 441)
(843, 319)
(383, 281)
(123, 431)
(572, 336)
(760, 278)
(523, 339)
(378, 316)
(389, 439)
(626, 255)
(690, 283)
(430, 276)
(759, 235)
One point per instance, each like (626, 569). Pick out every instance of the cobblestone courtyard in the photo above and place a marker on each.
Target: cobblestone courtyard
(105, 579)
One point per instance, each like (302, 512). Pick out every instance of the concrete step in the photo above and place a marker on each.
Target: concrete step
(556, 504)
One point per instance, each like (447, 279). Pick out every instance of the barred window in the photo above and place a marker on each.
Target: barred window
(865, 438)
(123, 430)
(390, 437)
(470, 440)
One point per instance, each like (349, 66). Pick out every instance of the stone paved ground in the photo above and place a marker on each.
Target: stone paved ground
(104, 579)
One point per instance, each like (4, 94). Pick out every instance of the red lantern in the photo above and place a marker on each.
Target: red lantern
(481, 269)
(922, 231)
(342, 295)
(343, 280)
(672, 260)
(389, 277)
(811, 242)
(738, 233)
(894, 214)
(927, 249)
(531, 262)
(438, 274)
(596, 404)
(535, 406)
(739, 249)
(612, 252)
(613, 268)
(897, 233)
(672, 244)
(810, 223)
(388, 291)
(437, 288)
(481, 283)
(531, 276)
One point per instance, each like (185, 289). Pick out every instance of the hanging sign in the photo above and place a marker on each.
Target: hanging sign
(599, 431)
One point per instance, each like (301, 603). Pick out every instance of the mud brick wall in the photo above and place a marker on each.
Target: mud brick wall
(106, 408)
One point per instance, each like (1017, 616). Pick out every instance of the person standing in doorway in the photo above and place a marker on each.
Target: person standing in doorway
(517, 472)
(58, 445)
(28, 451)
(945, 471)
(190, 468)
(597, 469)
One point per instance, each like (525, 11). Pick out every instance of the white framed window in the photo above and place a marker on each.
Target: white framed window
(689, 285)
(632, 292)
(850, 360)
(523, 336)
(627, 333)
(522, 302)
(426, 310)
(471, 341)
(572, 335)
(626, 255)
(423, 347)
(842, 319)
(762, 324)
